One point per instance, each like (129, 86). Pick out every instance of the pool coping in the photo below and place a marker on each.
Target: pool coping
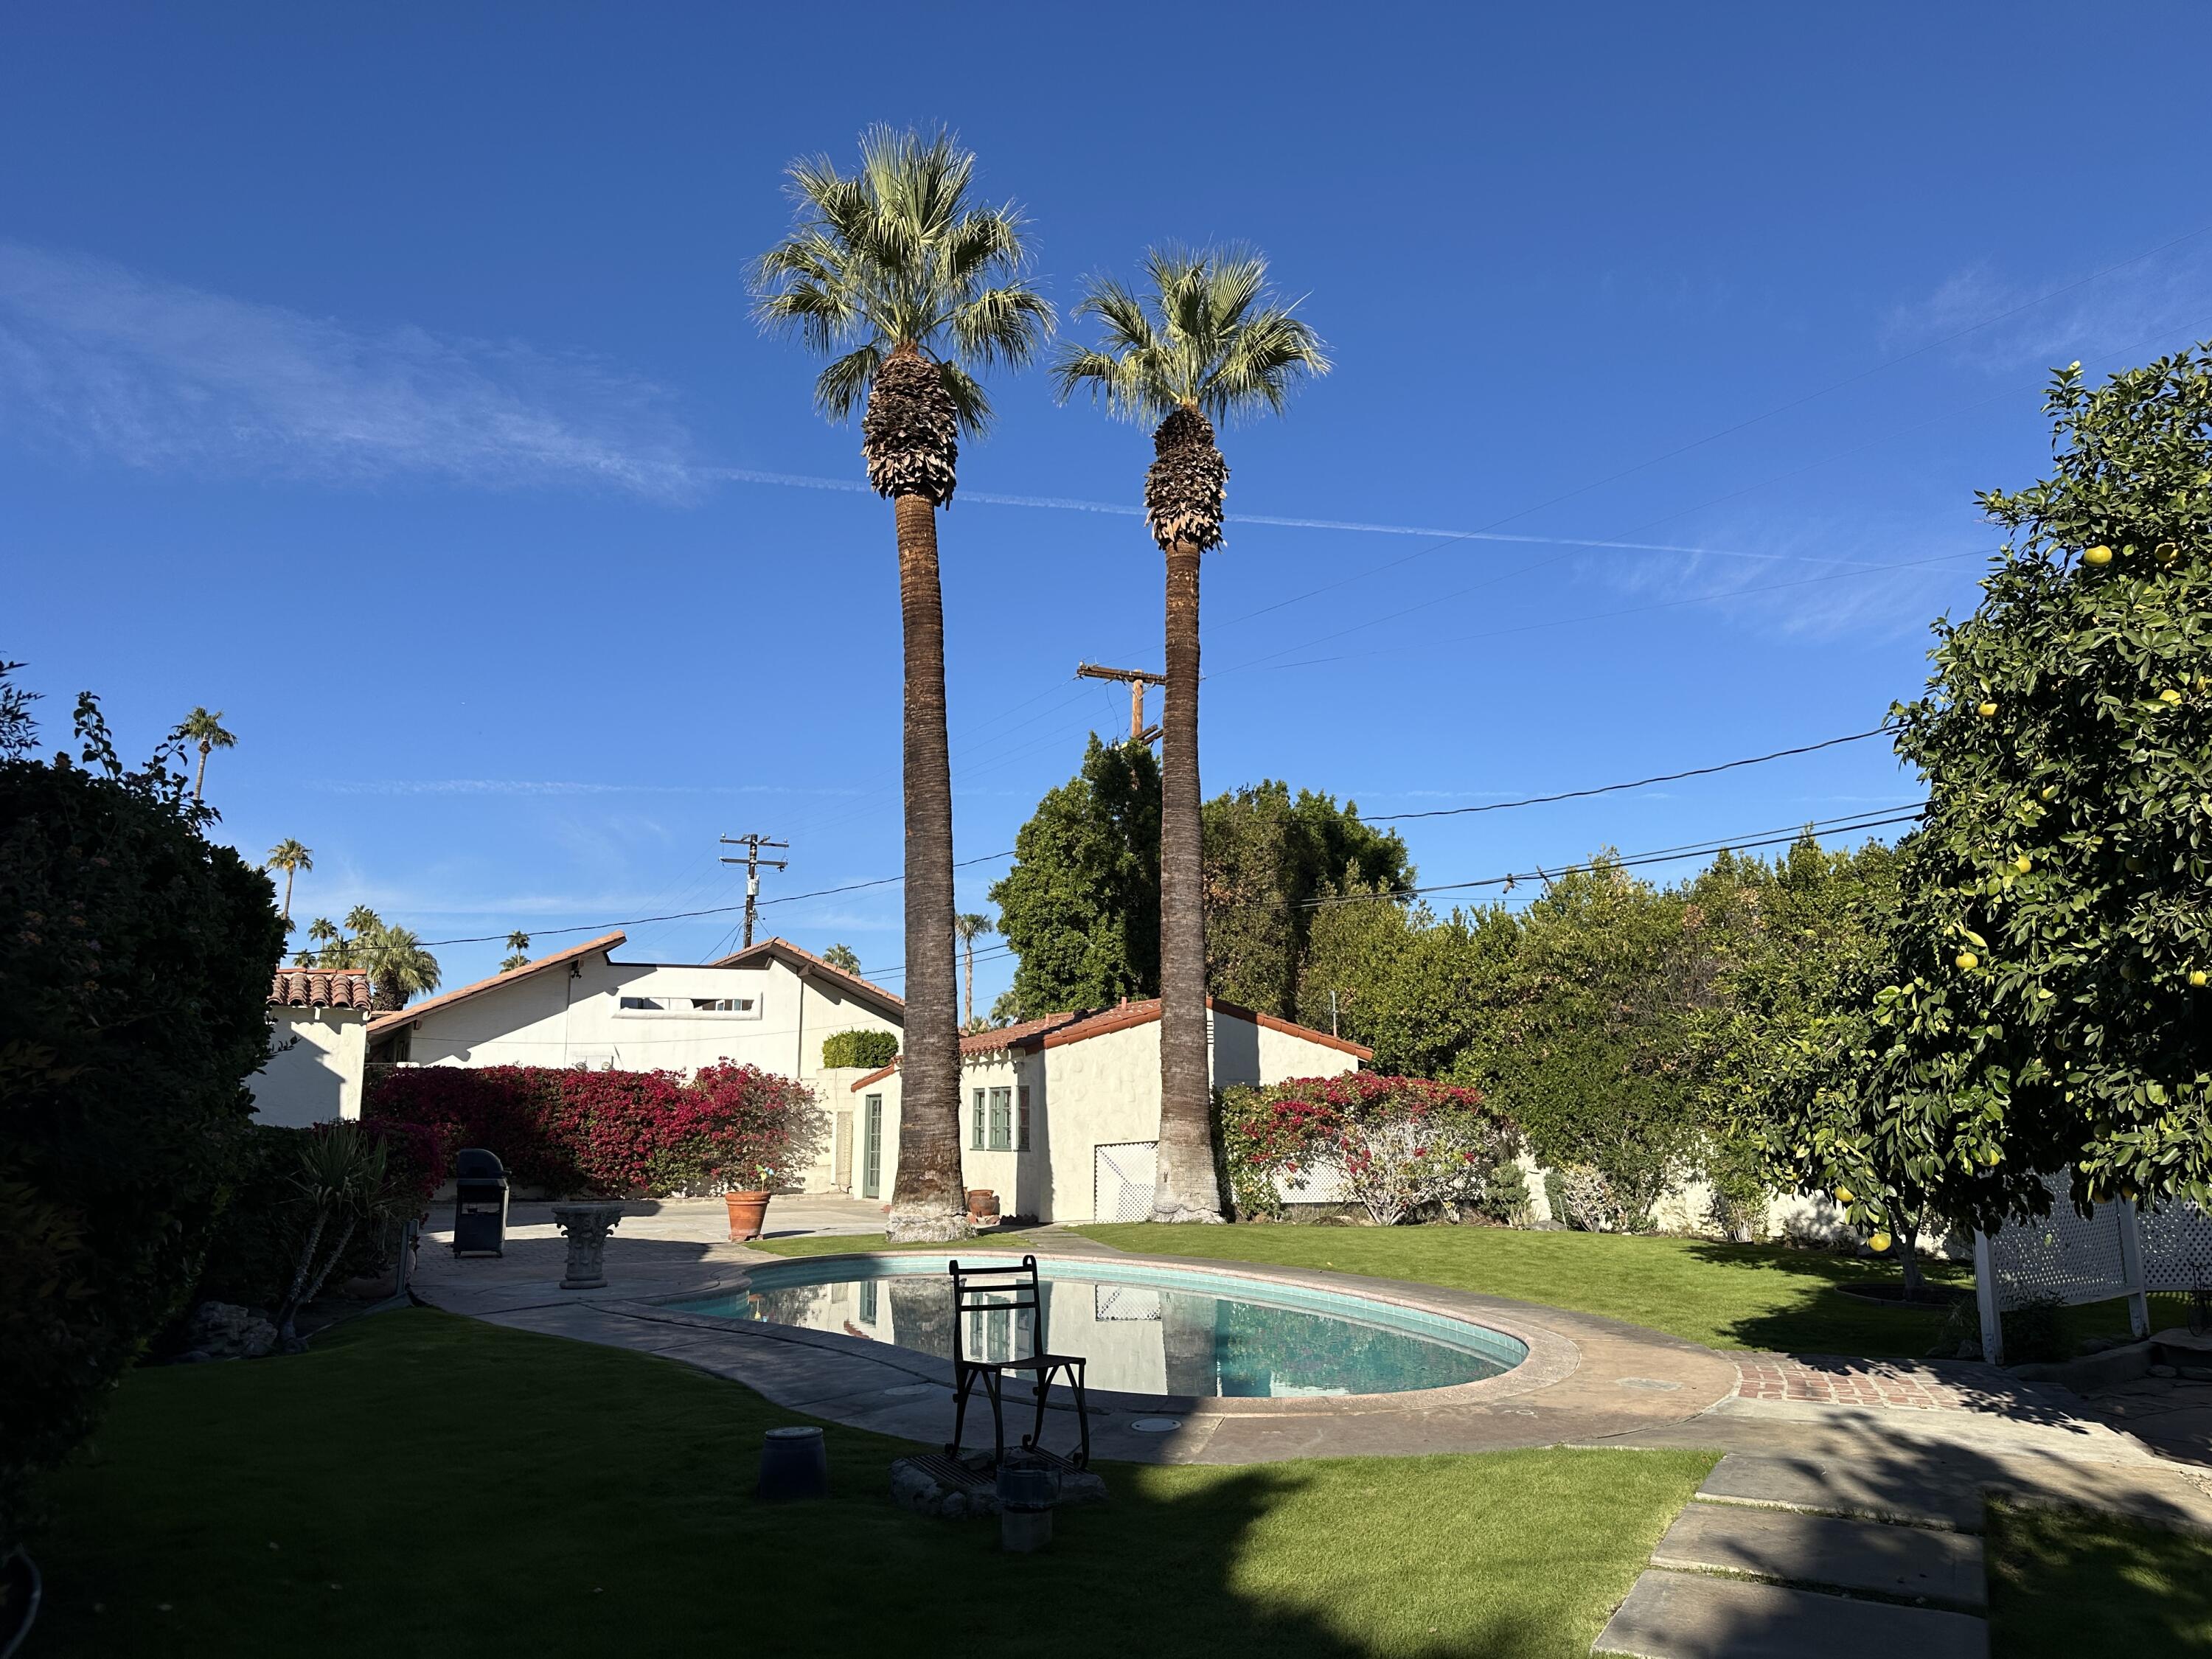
(1551, 1358)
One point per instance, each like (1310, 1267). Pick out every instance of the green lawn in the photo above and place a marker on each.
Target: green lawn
(420, 1484)
(1725, 1295)
(2067, 1585)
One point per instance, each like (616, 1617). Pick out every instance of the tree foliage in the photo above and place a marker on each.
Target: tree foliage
(135, 961)
(2044, 1005)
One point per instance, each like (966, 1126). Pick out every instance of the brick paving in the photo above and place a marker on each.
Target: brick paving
(1901, 1383)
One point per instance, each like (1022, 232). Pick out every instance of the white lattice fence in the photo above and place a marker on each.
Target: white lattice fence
(2068, 1258)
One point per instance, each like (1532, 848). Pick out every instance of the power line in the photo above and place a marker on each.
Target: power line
(1638, 783)
(1664, 855)
(715, 910)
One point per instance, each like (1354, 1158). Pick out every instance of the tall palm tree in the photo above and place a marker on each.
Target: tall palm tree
(291, 858)
(399, 966)
(205, 730)
(907, 287)
(1205, 340)
(970, 927)
(517, 952)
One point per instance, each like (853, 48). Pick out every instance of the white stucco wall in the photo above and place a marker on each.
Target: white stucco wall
(1103, 1090)
(314, 1069)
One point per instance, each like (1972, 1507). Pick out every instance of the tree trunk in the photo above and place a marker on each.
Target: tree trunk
(288, 874)
(967, 983)
(200, 777)
(1908, 1250)
(927, 1201)
(1187, 1189)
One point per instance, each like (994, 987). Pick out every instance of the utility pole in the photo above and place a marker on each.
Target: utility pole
(1138, 679)
(752, 861)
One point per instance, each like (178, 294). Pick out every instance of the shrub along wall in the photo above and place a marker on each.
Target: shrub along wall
(867, 1049)
(646, 1133)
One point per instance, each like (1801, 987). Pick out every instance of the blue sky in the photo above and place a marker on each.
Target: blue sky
(383, 378)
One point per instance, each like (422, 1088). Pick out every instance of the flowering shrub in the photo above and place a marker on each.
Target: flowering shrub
(644, 1133)
(1397, 1145)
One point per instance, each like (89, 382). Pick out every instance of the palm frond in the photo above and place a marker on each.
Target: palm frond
(842, 387)
(1001, 325)
(969, 404)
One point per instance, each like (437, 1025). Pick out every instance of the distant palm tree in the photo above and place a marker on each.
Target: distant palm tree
(843, 956)
(205, 730)
(518, 947)
(969, 926)
(1207, 340)
(907, 286)
(399, 966)
(361, 922)
(291, 858)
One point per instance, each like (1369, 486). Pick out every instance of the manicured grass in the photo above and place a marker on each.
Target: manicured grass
(421, 1483)
(1725, 1295)
(2064, 1584)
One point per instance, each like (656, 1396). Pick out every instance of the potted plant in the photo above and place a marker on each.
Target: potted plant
(748, 1208)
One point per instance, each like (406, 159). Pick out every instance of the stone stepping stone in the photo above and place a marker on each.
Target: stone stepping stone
(1908, 1563)
(1679, 1615)
(1860, 1487)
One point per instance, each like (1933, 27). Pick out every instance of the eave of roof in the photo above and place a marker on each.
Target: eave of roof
(397, 1018)
(806, 961)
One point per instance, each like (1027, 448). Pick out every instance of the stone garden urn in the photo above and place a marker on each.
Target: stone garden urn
(587, 1226)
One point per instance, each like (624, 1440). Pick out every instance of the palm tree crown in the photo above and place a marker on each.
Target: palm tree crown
(205, 732)
(893, 262)
(291, 858)
(1208, 340)
(397, 965)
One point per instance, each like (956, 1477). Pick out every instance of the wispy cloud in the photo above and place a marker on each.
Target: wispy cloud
(103, 361)
(549, 786)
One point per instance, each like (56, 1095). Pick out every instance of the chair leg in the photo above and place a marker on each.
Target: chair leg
(1035, 1437)
(1082, 1417)
(998, 1421)
(965, 1382)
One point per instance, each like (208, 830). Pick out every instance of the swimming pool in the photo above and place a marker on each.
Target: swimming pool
(1145, 1330)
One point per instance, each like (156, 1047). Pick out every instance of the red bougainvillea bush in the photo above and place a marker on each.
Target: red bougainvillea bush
(1398, 1146)
(646, 1133)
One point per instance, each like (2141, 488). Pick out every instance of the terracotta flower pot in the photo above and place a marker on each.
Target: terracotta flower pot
(982, 1205)
(747, 1212)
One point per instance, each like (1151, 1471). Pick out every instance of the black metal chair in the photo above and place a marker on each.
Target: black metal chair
(1010, 1291)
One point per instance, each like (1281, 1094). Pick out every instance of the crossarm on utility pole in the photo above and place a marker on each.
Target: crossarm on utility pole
(753, 862)
(1137, 680)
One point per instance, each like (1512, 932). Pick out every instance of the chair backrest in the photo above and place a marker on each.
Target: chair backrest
(1000, 1287)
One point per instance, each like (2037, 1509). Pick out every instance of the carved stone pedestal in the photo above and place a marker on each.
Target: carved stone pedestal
(586, 1227)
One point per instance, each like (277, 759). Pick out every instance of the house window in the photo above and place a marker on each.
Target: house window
(721, 1004)
(1002, 1120)
(1022, 1118)
(976, 1137)
(719, 1008)
(643, 1006)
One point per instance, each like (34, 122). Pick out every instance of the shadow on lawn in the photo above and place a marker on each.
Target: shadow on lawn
(1817, 1314)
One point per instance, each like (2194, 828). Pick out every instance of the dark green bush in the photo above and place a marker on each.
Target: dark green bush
(870, 1049)
(135, 958)
(2035, 1332)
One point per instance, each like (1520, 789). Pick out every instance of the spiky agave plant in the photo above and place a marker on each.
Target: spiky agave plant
(1205, 340)
(907, 287)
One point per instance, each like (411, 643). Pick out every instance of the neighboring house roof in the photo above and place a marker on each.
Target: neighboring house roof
(1052, 1031)
(1144, 1013)
(810, 966)
(392, 1021)
(320, 987)
(985, 1042)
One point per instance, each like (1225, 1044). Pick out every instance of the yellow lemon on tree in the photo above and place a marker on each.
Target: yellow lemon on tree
(1993, 1155)
(2098, 556)
(2023, 864)
(1968, 960)
(2169, 695)
(1843, 1194)
(1878, 1242)
(2197, 977)
(1987, 711)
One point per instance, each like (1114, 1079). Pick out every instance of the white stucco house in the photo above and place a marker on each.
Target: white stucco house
(318, 1040)
(770, 1005)
(1061, 1116)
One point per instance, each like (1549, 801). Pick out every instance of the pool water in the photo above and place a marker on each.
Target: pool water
(1144, 1329)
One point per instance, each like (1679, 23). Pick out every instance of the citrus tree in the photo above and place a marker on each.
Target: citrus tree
(2042, 1002)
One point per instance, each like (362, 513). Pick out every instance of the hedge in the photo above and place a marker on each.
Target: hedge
(870, 1050)
(640, 1134)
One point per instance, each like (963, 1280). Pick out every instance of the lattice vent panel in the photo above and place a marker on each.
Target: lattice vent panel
(2177, 1244)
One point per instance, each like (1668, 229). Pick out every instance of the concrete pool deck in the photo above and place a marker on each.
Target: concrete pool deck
(1587, 1378)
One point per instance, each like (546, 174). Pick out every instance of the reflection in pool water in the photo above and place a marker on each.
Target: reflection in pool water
(1148, 1331)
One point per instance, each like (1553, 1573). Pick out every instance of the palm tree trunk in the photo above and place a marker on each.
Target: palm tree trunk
(1187, 1188)
(200, 777)
(968, 983)
(288, 874)
(926, 1201)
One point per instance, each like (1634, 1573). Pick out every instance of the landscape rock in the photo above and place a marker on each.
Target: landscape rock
(916, 1486)
(223, 1330)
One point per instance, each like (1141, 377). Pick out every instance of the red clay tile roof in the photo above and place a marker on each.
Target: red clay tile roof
(393, 1021)
(1051, 1031)
(320, 987)
(795, 957)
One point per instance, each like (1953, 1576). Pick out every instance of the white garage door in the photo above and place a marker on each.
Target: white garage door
(1124, 1176)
